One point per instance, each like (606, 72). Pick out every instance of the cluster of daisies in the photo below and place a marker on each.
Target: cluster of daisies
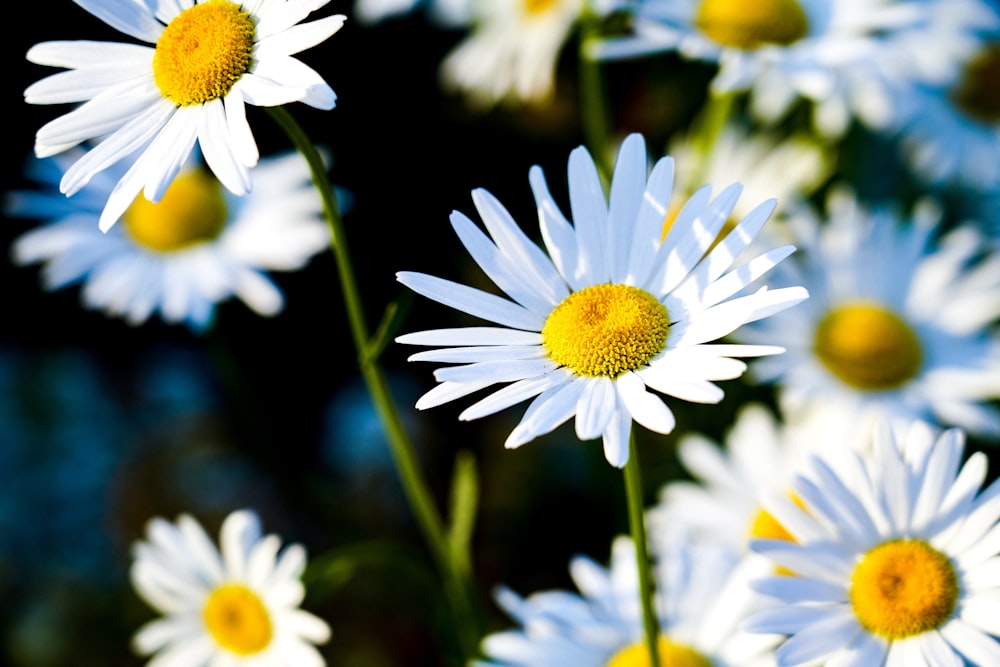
(887, 557)
(162, 215)
(854, 530)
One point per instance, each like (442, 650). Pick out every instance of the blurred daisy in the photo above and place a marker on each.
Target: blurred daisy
(789, 170)
(610, 311)
(722, 503)
(699, 612)
(781, 51)
(209, 60)
(895, 559)
(512, 51)
(234, 606)
(897, 327)
(951, 134)
(198, 246)
(446, 13)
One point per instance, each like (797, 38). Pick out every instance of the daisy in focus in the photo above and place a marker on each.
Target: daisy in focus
(209, 60)
(895, 559)
(198, 246)
(238, 605)
(611, 310)
(512, 51)
(898, 325)
(699, 614)
(840, 56)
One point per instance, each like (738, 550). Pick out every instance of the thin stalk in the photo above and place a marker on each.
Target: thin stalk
(708, 127)
(594, 108)
(457, 584)
(637, 524)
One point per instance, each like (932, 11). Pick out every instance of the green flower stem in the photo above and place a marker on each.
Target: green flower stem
(594, 107)
(707, 128)
(454, 568)
(637, 523)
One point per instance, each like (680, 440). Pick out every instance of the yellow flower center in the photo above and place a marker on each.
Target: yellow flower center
(670, 654)
(203, 51)
(978, 92)
(237, 619)
(903, 588)
(868, 347)
(749, 25)
(764, 526)
(606, 330)
(537, 7)
(193, 210)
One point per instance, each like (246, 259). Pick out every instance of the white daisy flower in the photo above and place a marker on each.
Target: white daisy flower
(234, 606)
(721, 505)
(512, 51)
(198, 246)
(210, 59)
(898, 325)
(701, 605)
(611, 309)
(895, 559)
(838, 55)
(951, 133)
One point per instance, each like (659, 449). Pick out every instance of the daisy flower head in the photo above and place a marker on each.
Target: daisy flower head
(702, 604)
(833, 54)
(511, 52)
(196, 247)
(233, 605)
(208, 59)
(898, 325)
(894, 558)
(612, 309)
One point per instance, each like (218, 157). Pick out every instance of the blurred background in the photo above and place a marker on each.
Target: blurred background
(104, 425)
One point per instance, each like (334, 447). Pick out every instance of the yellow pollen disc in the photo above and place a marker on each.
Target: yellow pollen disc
(237, 619)
(765, 526)
(903, 588)
(670, 654)
(538, 7)
(868, 347)
(749, 25)
(203, 51)
(606, 330)
(192, 210)
(978, 93)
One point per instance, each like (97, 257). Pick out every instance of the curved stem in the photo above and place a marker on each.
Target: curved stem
(637, 524)
(454, 570)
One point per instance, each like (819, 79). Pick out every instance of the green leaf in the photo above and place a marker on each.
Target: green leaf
(392, 320)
